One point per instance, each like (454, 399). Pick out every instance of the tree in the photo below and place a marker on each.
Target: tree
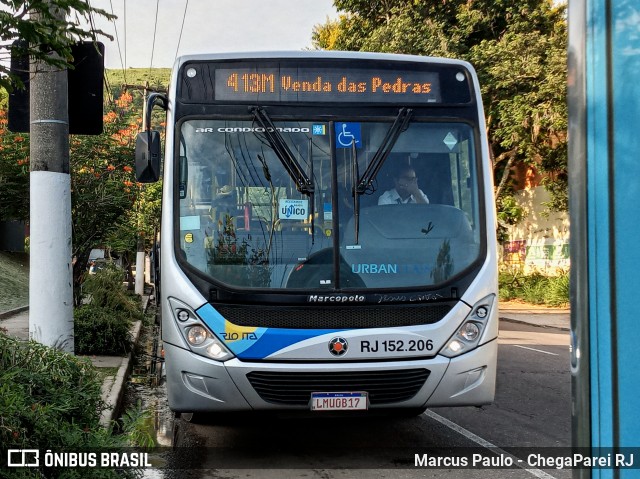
(525, 102)
(14, 173)
(108, 206)
(103, 187)
(518, 48)
(142, 220)
(45, 34)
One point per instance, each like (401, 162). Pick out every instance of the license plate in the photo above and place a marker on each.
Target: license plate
(352, 401)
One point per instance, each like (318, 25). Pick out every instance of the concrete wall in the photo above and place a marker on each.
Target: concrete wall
(539, 243)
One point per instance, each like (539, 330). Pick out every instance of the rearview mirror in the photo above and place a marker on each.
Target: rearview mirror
(148, 157)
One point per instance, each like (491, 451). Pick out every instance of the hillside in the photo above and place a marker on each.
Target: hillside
(14, 280)
(157, 77)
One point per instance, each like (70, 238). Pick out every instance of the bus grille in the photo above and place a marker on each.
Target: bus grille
(333, 317)
(294, 389)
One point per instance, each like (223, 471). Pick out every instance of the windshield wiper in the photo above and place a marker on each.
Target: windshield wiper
(400, 124)
(364, 182)
(355, 174)
(303, 184)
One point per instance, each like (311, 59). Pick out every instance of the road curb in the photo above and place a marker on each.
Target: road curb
(113, 388)
(531, 323)
(12, 312)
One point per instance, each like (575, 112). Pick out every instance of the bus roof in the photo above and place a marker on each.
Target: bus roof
(324, 54)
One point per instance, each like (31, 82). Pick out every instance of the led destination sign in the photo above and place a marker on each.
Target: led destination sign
(326, 84)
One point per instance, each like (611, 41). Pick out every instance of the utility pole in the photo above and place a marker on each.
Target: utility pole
(51, 270)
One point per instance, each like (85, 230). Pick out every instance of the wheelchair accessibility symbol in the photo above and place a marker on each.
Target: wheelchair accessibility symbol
(347, 134)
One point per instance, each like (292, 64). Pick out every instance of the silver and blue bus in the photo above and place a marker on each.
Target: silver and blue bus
(289, 281)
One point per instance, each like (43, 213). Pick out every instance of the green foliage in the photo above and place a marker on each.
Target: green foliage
(14, 173)
(558, 290)
(50, 399)
(46, 373)
(509, 213)
(525, 101)
(534, 288)
(98, 330)
(157, 78)
(518, 48)
(102, 326)
(48, 33)
(103, 187)
(143, 219)
(102, 179)
(104, 289)
(138, 427)
(108, 208)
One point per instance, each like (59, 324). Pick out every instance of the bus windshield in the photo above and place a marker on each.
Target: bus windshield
(245, 223)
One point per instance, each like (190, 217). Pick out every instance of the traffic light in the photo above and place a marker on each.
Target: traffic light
(85, 89)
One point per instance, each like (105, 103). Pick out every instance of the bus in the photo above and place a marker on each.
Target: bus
(286, 283)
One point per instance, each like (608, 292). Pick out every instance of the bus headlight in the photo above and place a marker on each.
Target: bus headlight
(455, 346)
(212, 348)
(217, 351)
(196, 335)
(199, 338)
(469, 333)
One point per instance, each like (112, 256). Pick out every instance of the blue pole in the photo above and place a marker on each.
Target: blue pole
(604, 164)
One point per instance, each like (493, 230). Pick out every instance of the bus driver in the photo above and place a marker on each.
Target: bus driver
(406, 189)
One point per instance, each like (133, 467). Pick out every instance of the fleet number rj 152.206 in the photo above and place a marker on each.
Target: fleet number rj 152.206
(392, 345)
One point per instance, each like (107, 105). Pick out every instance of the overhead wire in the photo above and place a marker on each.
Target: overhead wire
(124, 70)
(184, 16)
(155, 29)
(92, 24)
(124, 18)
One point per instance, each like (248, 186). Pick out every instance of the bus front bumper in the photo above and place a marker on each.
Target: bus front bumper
(198, 384)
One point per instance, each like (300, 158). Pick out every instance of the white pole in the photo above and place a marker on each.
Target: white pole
(147, 269)
(140, 272)
(50, 270)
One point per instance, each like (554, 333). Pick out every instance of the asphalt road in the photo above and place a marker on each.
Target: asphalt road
(532, 409)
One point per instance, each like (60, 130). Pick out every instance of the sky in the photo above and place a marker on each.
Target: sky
(209, 26)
